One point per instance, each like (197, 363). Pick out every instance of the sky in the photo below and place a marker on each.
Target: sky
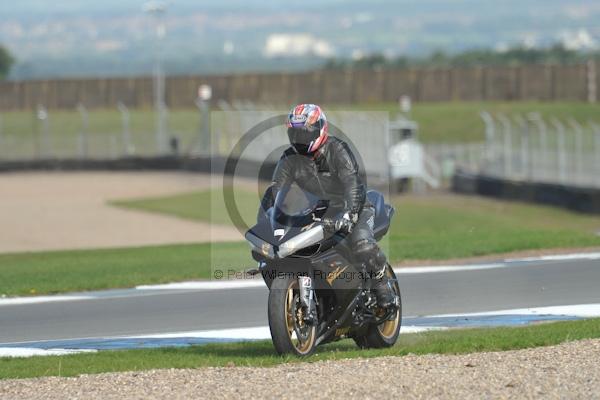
(116, 37)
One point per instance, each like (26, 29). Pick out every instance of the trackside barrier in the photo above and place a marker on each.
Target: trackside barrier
(582, 199)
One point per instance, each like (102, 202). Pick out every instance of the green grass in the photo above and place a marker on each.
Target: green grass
(262, 354)
(443, 227)
(433, 227)
(206, 206)
(458, 122)
(439, 122)
(424, 228)
(22, 133)
(67, 271)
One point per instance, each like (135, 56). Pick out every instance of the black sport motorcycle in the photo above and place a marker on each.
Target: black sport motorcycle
(318, 291)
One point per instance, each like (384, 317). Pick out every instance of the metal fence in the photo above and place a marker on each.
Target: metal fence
(525, 147)
(530, 148)
(449, 157)
(99, 134)
(50, 135)
(366, 131)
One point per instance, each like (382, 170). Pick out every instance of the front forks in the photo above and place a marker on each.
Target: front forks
(307, 298)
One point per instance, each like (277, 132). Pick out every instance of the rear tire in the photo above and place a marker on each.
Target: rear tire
(284, 322)
(385, 334)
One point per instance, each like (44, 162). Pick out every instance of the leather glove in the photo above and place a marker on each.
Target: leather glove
(343, 224)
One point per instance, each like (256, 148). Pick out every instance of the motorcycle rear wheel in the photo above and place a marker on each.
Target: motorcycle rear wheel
(290, 334)
(385, 334)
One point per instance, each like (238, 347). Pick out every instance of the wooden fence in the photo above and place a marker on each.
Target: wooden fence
(530, 82)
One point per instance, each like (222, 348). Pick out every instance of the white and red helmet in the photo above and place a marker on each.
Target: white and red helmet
(307, 128)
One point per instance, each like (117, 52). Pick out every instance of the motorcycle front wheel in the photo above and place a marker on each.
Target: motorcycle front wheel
(289, 332)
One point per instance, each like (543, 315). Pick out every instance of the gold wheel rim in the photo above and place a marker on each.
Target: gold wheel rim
(388, 328)
(300, 346)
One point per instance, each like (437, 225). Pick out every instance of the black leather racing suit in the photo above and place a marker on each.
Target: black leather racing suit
(332, 173)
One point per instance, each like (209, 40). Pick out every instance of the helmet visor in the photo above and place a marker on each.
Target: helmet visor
(302, 138)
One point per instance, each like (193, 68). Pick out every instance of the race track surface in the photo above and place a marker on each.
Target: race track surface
(154, 311)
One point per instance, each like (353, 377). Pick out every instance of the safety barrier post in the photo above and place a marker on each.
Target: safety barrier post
(524, 128)
(43, 132)
(83, 132)
(579, 178)
(128, 148)
(1, 135)
(592, 90)
(541, 164)
(561, 150)
(507, 142)
(596, 131)
(490, 133)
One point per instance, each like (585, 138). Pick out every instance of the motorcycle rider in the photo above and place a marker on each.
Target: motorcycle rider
(325, 165)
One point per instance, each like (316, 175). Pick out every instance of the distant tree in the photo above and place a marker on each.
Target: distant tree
(371, 61)
(401, 62)
(559, 53)
(438, 59)
(519, 55)
(334, 63)
(476, 57)
(556, 54)
(6, 62)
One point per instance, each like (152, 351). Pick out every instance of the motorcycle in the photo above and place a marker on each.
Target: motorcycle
(318, 291)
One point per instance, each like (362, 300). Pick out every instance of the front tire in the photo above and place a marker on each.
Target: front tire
(290, 334)
(385, 334)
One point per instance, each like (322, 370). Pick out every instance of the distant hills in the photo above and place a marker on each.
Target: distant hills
(116, 38)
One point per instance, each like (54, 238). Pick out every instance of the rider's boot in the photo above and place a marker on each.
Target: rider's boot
(376, 263)
(383, 290)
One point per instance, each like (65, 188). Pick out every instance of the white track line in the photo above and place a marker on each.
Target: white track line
(262, 332)
(206, 285)
(253, 333)
(15, 301)
(430, 269)
(558, 257)
(30, 352)
(576, 310)
(251, 283)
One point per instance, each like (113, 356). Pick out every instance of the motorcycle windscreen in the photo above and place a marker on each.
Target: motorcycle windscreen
(294, 208)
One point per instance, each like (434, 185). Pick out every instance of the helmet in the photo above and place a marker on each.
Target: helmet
(307, 128)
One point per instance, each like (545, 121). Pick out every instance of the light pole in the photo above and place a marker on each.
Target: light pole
(203, 104)
(158, 9)
(42, 116)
